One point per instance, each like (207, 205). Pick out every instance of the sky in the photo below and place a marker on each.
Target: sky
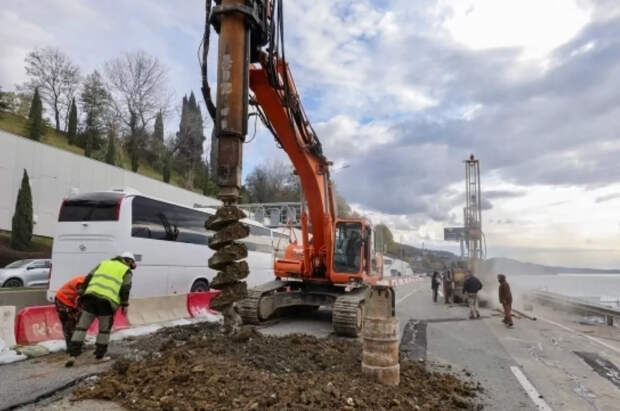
(400, 92)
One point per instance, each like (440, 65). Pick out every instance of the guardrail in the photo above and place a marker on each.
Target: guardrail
(578, 304)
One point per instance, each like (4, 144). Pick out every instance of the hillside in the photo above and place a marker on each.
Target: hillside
(15, 124)
(513, 267)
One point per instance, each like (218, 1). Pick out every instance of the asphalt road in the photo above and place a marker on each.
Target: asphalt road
(564, 365)
(547, 353)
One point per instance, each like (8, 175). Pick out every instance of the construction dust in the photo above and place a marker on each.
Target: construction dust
(197, 368)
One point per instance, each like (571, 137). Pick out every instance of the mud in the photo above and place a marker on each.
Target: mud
(196, 368)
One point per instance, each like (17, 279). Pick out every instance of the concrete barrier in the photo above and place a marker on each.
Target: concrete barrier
(396, 281)
(7, 326)
(144, 311)
(199, 303)
(23, 297)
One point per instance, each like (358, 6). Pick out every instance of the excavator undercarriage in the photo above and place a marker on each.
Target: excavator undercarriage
(348, 307)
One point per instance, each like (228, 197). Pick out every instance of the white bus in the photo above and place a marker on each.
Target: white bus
(168, 240)
(394, 267)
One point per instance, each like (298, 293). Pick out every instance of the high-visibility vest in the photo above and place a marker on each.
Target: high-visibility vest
(107, 280)
(68, 293)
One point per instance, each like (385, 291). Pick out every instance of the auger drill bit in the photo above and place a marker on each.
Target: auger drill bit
(231, 114)
(231, 272)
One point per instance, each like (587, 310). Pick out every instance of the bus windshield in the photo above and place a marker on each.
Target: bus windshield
(91, 207)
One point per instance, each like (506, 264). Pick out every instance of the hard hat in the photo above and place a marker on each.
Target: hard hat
(129, 255)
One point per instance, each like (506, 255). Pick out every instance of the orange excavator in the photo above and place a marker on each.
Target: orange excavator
(337, 261)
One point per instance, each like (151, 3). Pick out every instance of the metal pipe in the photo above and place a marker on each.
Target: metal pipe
(232, 100)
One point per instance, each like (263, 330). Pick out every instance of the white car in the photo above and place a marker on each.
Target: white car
(28, 273)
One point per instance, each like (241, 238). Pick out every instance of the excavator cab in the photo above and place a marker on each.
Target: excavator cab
(353, 256)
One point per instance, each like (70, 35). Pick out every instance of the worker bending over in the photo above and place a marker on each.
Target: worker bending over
(471, 286)
(106, 288)
(66, 302)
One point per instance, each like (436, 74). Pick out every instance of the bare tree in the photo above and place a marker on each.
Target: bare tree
(138, 84)
(272, 181)
(54, 74)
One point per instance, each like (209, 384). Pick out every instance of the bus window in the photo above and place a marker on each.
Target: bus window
(91, 207)
(163, 221)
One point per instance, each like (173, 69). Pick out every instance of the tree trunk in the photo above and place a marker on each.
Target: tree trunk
(57, 116)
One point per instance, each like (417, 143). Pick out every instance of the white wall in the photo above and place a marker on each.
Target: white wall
(55, 174)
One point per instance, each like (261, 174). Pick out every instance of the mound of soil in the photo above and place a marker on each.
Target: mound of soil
(197, 368)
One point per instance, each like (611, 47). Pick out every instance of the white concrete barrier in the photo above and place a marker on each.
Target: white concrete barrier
(144, 311)
(396, 281)
(7, 326)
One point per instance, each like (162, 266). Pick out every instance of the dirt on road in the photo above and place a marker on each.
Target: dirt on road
(197, 368)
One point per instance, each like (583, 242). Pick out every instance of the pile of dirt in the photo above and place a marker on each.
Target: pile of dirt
(195, 367)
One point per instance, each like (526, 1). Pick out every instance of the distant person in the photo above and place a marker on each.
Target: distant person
(435, 285)
(106, 288)
(66, 302)
(447, 288)
(471, 286)
(505, 299)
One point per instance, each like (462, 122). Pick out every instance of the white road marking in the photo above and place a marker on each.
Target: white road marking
(541, 404)
(596, 340)
(401, 299)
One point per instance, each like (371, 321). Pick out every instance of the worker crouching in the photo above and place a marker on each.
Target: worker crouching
(66, 302)
(105, 289)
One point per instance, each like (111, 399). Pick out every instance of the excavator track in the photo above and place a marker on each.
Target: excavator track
(249, 306)
(348, 312)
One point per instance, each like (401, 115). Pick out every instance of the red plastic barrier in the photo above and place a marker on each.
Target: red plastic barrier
(36, 324)
(199, 303)
(41, 323)
(120, 323)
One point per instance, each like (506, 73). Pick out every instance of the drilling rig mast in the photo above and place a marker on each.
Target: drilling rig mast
(473, 212)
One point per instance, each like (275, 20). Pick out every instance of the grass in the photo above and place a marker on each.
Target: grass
(39, 243)
(15, 124)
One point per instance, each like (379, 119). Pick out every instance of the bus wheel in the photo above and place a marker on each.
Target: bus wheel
(200, 286)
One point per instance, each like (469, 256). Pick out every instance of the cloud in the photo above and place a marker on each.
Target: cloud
(607, 197)
(493, 194)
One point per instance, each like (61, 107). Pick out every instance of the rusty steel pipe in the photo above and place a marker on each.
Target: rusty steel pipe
(232, 100)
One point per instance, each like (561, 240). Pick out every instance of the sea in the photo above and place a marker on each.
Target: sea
(600, 288)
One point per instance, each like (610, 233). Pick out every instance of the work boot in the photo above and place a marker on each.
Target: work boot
(471, 316)
(75, 348)
(100, 350)
(70, 362)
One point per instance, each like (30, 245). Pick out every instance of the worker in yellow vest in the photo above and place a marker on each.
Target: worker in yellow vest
(105, 289)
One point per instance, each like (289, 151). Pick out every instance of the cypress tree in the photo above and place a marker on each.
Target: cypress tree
(133, 148)
(72, 131)
(89, 136)
(110, 155)
(35, 118)
(22, 223)
(167, 166)
(158, 131)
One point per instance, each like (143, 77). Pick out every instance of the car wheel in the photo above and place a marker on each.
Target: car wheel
(200, 286)
(13, 282)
